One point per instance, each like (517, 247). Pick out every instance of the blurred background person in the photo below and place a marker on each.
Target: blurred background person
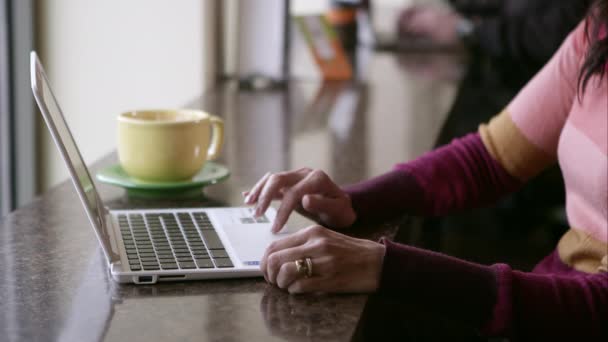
(520, 35)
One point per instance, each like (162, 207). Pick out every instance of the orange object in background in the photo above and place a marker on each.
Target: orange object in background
(326, 47)
(342, 16)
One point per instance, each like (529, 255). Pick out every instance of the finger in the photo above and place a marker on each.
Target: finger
(277, 259)
(288, 273)
(335, 212)
(274, 185)
(307, 285)
(290, 241)
(316, 182)
(286, 258)
(253, 193)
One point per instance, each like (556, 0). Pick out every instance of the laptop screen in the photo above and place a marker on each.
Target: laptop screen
(65, 142)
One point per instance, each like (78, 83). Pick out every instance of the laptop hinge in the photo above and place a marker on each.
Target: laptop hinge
(108, 227)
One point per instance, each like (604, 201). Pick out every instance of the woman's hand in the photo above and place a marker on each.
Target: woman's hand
(311, 192)
(339, 263)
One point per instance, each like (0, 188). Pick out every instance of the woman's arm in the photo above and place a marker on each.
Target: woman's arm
(456, 176)
(501, 301)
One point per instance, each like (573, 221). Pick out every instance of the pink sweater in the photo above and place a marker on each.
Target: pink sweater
(566, 295)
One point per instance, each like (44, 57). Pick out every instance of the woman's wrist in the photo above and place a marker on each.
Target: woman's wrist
(393, 193)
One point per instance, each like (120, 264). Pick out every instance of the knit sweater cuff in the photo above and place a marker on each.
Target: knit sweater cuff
(393, 193)
(500, 322)
(442, 283)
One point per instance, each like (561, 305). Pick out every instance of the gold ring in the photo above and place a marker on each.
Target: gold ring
(308, 267)
(301, 267)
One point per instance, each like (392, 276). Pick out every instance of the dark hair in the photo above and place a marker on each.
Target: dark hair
(596, 31)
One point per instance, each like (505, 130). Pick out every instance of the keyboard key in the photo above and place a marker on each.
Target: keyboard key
(223, 262)
(147, 259)
(134, 262)
(212, 239)
(151, 267)
(206, 226)
(204, 263)
(200, 254)
(187, 265)
(166, 260)
(171, 266)
(135, 267)
(200, 215)
(185, 219)
(219, 253)
(262, 219)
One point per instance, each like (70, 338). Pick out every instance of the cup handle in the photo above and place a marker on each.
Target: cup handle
(217, 137)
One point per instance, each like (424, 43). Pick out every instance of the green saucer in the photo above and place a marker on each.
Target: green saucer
(210, 174)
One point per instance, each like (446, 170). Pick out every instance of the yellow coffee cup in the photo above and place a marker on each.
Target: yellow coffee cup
(167, 145)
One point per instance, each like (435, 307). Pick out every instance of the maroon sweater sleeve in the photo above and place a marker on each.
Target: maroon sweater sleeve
(499, 300)
(451, 178)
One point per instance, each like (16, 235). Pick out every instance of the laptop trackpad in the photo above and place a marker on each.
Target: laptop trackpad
(250, 236)
(249, 241)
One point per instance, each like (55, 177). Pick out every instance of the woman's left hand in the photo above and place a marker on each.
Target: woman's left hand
(339, 263)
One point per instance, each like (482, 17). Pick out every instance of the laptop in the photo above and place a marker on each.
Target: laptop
(149, 246)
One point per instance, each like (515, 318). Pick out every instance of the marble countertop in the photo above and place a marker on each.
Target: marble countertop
(55, 285)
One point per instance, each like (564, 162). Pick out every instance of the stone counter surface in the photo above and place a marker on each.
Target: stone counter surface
(55, 285)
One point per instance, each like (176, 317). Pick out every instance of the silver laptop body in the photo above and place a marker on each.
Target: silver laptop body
(149, 246)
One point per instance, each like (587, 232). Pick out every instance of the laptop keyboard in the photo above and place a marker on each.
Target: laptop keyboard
(168, 241)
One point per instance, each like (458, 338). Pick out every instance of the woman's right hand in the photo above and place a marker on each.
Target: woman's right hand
(311, 192)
